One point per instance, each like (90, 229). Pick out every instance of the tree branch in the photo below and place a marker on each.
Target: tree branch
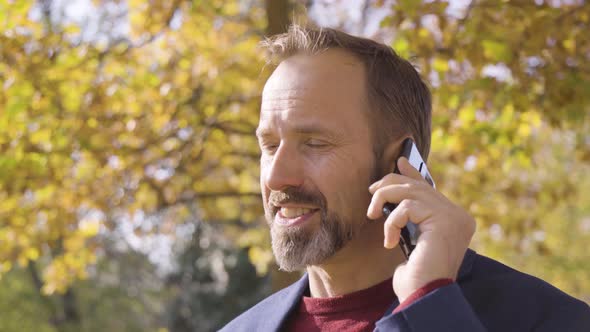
(54, 317)
(277, 14)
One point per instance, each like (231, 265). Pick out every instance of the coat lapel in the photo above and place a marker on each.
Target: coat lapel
(283, 306)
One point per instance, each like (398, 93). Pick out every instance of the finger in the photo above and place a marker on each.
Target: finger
(408, 209)
(391, 235)
(405, 168)
(394, 193)
(389, 179)
(398, 219)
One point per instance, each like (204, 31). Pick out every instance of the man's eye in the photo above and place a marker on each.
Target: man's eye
(314, 143)
(269, 147)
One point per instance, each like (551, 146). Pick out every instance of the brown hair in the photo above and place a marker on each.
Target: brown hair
(396, 92)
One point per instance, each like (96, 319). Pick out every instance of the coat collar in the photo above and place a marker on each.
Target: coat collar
(467, 265)
(288, 301)
(285, 302)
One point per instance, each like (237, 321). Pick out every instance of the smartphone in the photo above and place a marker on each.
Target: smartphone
(410, 233)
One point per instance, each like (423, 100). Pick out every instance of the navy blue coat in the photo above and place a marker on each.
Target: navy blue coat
(488, 296)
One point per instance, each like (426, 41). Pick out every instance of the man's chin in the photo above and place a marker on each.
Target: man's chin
(298, 246)
(292, 255)
(294, 263)
(294, 230)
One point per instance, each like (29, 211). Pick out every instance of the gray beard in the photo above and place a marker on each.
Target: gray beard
(295, 248)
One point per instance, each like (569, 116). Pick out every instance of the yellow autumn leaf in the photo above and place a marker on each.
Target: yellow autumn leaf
(41, 135)
(440, 65)
(261, 258)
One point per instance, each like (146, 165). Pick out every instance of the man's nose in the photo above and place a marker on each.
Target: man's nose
(284, 170)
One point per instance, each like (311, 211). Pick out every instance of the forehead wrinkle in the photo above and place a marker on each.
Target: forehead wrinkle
(285, 103)
(276, 92)
(283, 92)
(307, 123)
(301, 125)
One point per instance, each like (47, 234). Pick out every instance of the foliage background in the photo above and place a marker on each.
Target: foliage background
(129, 192)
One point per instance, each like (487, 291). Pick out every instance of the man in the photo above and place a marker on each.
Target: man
(333, 116)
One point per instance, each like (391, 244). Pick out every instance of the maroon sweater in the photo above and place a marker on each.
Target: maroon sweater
(356, 311)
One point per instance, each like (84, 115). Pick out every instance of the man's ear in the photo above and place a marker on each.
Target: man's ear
(392, 152)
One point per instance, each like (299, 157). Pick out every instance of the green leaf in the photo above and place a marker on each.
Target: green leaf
(496, 51)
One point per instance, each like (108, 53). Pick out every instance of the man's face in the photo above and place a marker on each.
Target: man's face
(317, 160)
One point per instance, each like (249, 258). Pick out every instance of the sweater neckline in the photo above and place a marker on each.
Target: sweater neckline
(375, 296)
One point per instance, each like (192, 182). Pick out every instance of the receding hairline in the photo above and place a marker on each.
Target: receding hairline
(337, 62)
(277, 48)
(395, 90)
(350, 59)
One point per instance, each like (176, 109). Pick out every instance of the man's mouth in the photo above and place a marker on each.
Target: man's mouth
(292, 216)
(293, 212)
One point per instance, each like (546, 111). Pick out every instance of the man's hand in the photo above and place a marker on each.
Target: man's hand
(446, 229)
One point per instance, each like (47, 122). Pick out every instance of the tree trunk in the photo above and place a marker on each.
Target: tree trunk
(70, 307)
(277, 14)
(66, 315)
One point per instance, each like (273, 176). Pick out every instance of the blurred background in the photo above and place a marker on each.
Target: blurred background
(129, 196)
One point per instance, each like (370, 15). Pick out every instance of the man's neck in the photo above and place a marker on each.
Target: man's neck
(362, 263)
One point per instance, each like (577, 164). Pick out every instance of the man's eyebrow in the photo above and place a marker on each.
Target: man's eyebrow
(301, 130)
(261, 132)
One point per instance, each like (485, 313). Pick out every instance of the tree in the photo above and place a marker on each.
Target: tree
(510, 141)
(101, 130)
(150, 115)
(214, 284)
(153, 116)
(123, 292)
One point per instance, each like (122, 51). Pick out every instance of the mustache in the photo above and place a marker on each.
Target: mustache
(297, 196)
